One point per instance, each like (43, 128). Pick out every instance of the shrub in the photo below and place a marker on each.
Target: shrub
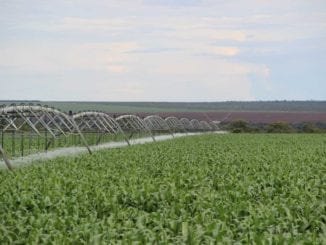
(239, 126)
(280, 127)
(310, 128)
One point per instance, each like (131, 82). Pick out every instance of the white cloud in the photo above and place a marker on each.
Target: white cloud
(226, 51)
(114, 25)
(134, 76)
(52, 57)
(183, 64)
(139, 51)
(117, 68)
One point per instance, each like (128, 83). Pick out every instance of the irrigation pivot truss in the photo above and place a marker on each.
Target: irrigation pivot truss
(157, 124)
(98, 122)
(175, 125)
(26, 129)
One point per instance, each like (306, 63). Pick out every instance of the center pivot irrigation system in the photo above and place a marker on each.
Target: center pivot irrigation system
(26, 129)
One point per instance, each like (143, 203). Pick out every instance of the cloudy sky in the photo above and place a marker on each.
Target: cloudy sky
(163, 50)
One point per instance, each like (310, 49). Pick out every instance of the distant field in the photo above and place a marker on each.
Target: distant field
(211, 189)
(256, 112)
(154, 107)
(255, 117)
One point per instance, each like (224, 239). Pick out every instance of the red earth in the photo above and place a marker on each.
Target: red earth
(255, 117)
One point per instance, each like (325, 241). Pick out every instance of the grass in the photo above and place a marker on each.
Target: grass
(263, 189)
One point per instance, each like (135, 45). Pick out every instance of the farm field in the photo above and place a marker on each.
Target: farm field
(201, 189)
(150, 107)
(254, 111)
(254, 117)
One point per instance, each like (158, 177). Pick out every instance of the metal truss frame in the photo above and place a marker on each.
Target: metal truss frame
(94, 121)
(133, 124)
(214, 125)
(175, 124)
(157, 124)
(39, 119)
(205, 126)
(187, 125)
(42, 119)
(196, 125)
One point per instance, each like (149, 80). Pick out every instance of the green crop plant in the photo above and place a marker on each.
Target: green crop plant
(210, 189)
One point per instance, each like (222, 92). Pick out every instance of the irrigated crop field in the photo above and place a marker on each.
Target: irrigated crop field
(200, 189)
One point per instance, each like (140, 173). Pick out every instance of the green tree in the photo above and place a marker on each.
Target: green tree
(280, 127)
(310, 128)
(239, 126)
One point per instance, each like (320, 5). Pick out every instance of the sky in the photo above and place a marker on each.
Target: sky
(163, 50)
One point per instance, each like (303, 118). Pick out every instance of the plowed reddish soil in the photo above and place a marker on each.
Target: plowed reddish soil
(256, 117)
